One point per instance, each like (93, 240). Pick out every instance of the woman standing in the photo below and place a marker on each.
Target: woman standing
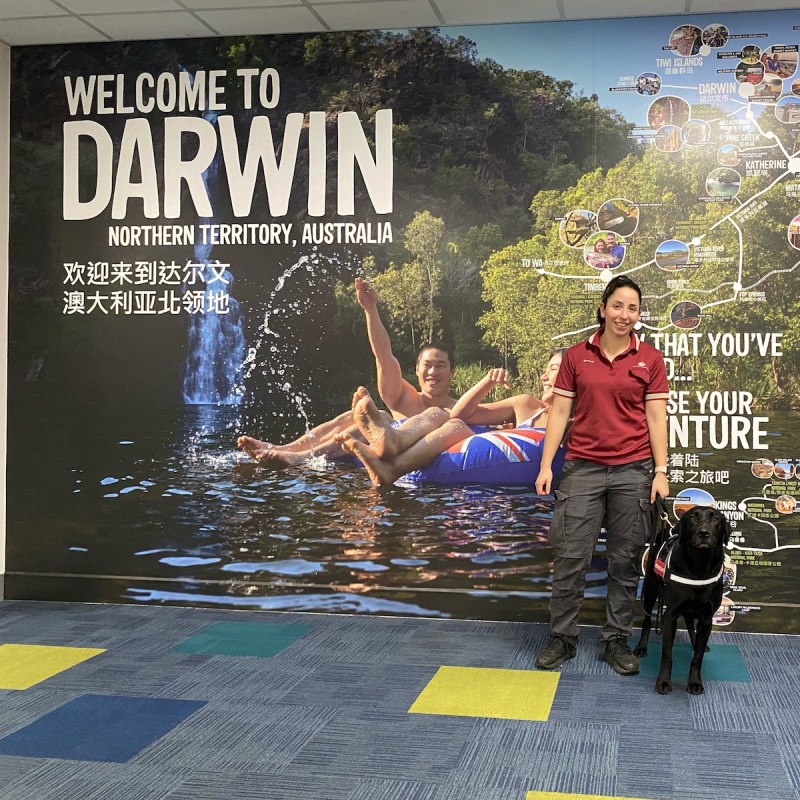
(615, 389)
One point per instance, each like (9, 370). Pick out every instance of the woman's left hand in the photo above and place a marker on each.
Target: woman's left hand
(660, 487)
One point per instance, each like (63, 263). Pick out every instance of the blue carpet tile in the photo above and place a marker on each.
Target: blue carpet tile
(214, 704)
(98, 728)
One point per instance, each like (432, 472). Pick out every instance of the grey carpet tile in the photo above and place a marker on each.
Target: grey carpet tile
(790, 758)
(238, 738)
(118, 672)
(613, 699)
(433, 647)
(54, 779)
(372, 744)
(257, 681)
(699, 760)
(15, 768)
(745, 708)
(775, 673)
(515, 756)
(372, 789)
(212, 785)
(351, 643)
(388, 687)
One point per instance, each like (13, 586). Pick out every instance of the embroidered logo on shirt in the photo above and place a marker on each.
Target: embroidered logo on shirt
(588, 361)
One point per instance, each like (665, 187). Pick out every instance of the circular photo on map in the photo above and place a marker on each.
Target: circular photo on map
(785, 504)
(768, 91)
(648, 83)
(668, 139)
(668, 110)
(685, 315)
(794, 233)
(784, 470)
(619, 215)
(749, 73)
(604, 250)
(728, 572)
(724, 614)
(696, 131)
(723, 182)
(672, 255)
(762, 468)
(728, 155)
(685, 40)
(687, 499)
(750, 54)
(780, 60)
(787, 109)
(576, 227)
(715, 35)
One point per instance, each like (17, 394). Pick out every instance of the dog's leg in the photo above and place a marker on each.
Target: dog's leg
(669, 624)
(641, 648)
(690, 629)
(695, 684)
(649, 599)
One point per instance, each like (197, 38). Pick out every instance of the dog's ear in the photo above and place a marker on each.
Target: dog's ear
(726, 529)
(680, 527)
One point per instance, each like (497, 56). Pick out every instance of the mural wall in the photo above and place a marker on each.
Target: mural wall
(188, 223)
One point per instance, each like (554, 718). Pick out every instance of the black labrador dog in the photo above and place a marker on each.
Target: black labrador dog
(686, 573)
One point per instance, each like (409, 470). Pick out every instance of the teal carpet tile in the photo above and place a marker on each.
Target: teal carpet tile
(723, 662)
(262, 639)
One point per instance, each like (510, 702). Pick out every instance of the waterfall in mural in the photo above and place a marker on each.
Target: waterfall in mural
(215, 344)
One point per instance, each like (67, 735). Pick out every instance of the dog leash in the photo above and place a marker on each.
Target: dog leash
(660, 524)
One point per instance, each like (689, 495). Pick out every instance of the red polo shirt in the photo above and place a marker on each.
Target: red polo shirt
(609, 422)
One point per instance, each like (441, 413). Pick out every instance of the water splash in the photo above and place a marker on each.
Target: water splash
(216, 344)
(275, 354)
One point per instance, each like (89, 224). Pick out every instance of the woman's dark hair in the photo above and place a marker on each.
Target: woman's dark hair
(436, 345)
(620, 282)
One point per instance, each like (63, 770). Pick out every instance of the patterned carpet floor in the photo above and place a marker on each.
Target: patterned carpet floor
(166, 703)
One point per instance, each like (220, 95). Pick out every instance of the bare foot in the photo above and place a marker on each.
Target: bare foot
(268, 455)
(380, 472)
(360, 393)
(376, 428)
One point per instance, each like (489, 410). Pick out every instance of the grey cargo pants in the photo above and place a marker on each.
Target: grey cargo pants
(587, 493)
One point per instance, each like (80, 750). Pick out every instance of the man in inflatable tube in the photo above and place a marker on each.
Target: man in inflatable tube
(423, 410)
(439, 446)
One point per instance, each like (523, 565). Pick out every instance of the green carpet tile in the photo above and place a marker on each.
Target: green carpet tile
(302, 706)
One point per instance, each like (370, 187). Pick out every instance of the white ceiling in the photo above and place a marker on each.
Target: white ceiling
(63, 21)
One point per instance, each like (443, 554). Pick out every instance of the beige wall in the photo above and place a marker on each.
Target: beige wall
(5, 57)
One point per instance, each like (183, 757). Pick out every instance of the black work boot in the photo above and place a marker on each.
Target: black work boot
(555, 653)
(620, 657)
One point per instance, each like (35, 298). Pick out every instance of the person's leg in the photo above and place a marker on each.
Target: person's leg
(385, 471)
(577, 519)
(269, 456)
(387, 440)
(627, 532)
(314, 439)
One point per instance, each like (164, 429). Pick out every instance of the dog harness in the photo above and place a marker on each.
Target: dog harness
(665, 572)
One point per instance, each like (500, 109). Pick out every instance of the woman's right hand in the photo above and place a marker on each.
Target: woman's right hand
(544, 481)
(497, 376)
